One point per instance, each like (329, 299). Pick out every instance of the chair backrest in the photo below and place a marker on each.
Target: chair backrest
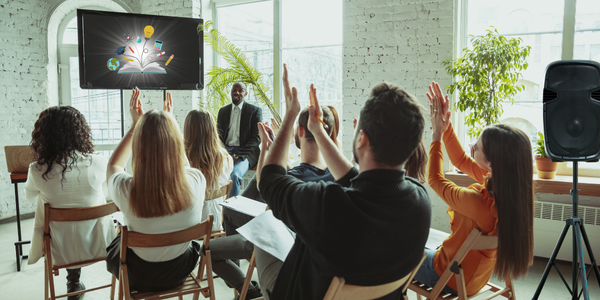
(137, 239)
(338, 289)
(222, 192)
(18, 158)
(72, 214)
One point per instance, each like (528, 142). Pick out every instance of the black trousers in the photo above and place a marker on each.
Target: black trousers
(145, 276)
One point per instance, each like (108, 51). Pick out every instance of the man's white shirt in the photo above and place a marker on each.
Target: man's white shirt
(233, 137)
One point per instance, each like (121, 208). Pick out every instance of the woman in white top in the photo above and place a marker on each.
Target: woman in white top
(67, 174)
(163, 195)
(206, 152)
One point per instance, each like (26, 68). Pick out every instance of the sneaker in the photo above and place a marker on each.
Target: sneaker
(253, 291)
(75, 287)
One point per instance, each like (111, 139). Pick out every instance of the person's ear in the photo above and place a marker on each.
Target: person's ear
(300, 131)
(363, 140)
(245, 93)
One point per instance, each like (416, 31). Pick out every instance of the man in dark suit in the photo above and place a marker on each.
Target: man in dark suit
(238, 130)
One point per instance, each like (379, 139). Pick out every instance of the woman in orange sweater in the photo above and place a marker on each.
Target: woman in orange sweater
(501, 203)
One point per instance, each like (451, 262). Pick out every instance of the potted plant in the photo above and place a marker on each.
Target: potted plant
(487, 75)
(221, 79)
(546, 169)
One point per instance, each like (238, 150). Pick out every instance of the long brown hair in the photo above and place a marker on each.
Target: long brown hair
(203, 147)
(416, 165)
(159, 186)
(508, 149)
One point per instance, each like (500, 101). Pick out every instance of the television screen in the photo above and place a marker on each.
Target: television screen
(122, 51)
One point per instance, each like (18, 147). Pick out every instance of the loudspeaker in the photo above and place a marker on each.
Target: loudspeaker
(572, 110)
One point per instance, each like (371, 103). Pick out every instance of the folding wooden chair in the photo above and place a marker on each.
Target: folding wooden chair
(193, 283)
(251, 266)
(475, 241)
(338, 289)
(223, 192)
(66, 215)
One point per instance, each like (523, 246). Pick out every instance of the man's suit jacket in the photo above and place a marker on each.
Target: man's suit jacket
(249, 137)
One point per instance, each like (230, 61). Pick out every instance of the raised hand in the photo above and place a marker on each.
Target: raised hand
(439, 108)
(315, 113)
(135, 106)
(292, 105)
(266, 134)
(168, 103)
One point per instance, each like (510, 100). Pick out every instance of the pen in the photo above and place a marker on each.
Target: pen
(324, 125)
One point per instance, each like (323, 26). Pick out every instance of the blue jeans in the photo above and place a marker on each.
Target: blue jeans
(427, 274)
(240, 168)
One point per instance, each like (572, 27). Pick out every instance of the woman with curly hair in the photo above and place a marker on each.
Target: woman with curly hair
(163, 195)
(67, 174)
(206, 152)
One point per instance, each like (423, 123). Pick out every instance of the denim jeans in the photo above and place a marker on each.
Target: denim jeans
(239, 170)
(427, 274)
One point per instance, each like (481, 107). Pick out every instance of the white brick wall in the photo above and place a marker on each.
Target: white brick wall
(28, 78)
(402, 42)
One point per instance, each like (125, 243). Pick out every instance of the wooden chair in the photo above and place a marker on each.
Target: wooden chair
(475, 241)
(66, 215)
(193, 283)
(338, 289)
(251, 266)
(223, 192)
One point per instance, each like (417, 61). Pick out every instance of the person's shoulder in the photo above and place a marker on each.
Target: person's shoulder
(224, 107)
(252, 106)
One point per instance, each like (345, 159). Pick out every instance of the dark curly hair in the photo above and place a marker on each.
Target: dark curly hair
(58, 133)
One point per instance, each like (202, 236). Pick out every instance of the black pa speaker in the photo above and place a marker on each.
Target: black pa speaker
(572, 110)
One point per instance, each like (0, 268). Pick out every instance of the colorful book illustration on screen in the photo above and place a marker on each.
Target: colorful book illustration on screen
(143, 58)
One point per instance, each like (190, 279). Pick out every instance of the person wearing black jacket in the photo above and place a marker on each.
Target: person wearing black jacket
(238, 130)
(371, 225)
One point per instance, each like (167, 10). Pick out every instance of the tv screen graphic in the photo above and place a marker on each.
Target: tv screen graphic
(123, 51)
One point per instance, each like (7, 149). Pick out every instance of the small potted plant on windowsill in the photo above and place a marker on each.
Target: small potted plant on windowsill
(546, 169)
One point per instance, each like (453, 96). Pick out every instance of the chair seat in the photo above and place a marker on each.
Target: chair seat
(189, 286)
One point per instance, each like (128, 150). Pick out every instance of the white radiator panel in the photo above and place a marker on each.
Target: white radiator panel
(549, 222)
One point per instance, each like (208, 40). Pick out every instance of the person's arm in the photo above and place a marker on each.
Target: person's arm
(279, 149)
(467, 201)
(336, 162)
(121, 155)
(32, 191)
(442, 129)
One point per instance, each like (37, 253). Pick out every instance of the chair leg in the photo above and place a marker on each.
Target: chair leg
(248, 279)
(46, 282)
(196, 296)
(209, 276)
(112, 287)
(50, 281)
(509, 283)
(460, 284)
(120, 285)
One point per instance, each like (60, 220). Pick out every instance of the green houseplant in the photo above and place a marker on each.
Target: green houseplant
(487, 75)
(221, 79)
(546, 169)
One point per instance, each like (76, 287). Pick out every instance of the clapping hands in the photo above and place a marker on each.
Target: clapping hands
(135, 106)
(439, 107)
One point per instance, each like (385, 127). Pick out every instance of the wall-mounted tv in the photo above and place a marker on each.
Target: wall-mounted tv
(122, 51)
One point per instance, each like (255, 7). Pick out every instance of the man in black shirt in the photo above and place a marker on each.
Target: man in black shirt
(371, 225)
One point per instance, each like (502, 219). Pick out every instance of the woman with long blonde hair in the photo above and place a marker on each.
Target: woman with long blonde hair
(206, 152)
(163, 195)
(501, 203)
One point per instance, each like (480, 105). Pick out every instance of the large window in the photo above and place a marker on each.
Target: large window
(539, 23)
(312, 50)
(101, 108)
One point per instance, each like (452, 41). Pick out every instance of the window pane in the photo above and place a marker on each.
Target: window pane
(250, 28)
(525, 20)
(101, 108)
(313, 50)
(70, 34)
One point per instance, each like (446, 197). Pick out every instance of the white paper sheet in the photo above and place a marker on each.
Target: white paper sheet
(245, 205)
(118, 216)
(435, 238)
(270, 234)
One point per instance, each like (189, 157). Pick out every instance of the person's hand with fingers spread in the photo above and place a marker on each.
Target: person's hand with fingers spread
(439, 107)
(265, 133)
(292, 106)
(135, 106)
(168, 104)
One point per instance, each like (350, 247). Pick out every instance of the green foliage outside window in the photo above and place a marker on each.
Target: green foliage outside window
(487, 76)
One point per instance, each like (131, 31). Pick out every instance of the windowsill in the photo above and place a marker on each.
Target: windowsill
(588, 186)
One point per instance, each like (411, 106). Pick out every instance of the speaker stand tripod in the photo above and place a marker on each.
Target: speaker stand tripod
(579, 235)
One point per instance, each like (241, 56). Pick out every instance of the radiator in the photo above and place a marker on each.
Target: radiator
(549, 220)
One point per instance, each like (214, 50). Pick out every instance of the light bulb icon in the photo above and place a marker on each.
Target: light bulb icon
(148, 31)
